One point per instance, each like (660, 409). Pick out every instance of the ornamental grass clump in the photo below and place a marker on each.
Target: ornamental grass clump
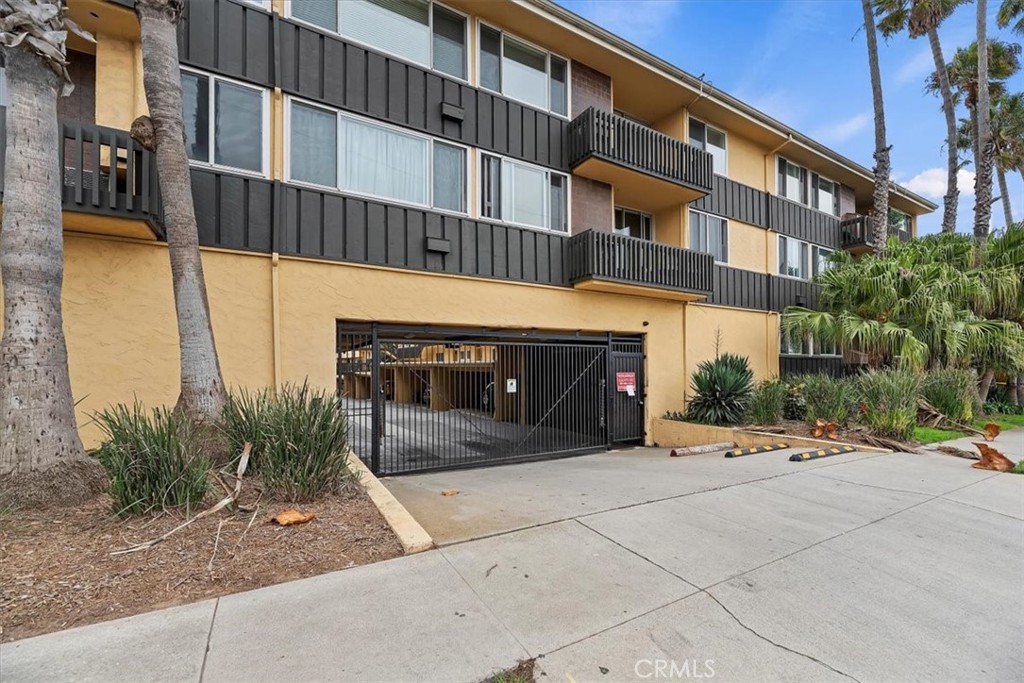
(828, 398)
(154, 459)
(768, 402)
(953, 392)
(299, 436)
(890, 401)
(722, 389)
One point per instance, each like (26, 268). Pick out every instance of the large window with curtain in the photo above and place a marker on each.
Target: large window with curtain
(515, 192)
(523, 72)
(420, 31)
(225, 122)
(331, 149)
(709, 234)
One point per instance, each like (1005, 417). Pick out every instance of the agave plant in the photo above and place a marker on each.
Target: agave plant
(722, 388)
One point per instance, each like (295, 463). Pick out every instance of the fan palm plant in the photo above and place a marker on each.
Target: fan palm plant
(1011, 13)
(41, 454)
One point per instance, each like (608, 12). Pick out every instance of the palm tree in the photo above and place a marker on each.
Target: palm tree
(41, 455)
(986, 146)
(880, 217)
(923, 17)
(1011, 12)
(202, 395)
(942, 300)
(1008, 138)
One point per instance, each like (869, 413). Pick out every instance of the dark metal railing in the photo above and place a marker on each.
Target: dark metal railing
(105, 172)
(858, 231)
(597, 133)
(618, 258)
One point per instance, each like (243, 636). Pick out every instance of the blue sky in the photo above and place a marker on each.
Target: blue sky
(741, 46)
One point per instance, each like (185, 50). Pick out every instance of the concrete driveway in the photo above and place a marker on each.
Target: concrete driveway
(627, 566)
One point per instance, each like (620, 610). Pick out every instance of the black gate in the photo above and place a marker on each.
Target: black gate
(429, 398)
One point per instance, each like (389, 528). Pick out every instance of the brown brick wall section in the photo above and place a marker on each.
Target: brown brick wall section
(591, 205)
(590, 88)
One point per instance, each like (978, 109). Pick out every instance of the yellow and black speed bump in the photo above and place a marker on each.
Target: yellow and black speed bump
(821, 453)
(737, 452)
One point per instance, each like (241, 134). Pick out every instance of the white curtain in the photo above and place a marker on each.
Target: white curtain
(523, 190)
(314, 145)
(401, 27)
(383, 163)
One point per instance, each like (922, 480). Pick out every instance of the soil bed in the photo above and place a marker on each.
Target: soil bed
(854, 437)
(58, 571)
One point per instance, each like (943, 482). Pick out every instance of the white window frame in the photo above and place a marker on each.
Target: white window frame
(262, 4)
(338, 115)
(617, 207)
(906, 223)
(211, 117)
(810, 343)
(834, 212)
(815, 250)
(724, 220)
(725, 134)
(478, 195)
(548, 54)
(807, 180)
(337, 31)
(806, 266)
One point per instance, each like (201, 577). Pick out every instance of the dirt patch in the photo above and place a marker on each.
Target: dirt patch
(521, 673)
(58, 571)
(855, 436)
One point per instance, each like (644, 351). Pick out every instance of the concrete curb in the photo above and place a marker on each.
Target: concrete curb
(413, 537)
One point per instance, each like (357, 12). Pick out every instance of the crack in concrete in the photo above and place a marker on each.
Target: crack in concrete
(209, 637)
(778, 645)
(892, 490)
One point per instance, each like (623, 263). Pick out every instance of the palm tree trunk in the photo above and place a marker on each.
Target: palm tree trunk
(880, 219)
(41, 455)
(986, 146)
(1012, 393)
(202, 395)
(985, 384)
(952, 197)
(1004, 190)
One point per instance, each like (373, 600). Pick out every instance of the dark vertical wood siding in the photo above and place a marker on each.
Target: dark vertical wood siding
(803, 223)
(735, 201)
(233, 211)
(231, 38)
(760, 291)
(324, 68)
(802, 365)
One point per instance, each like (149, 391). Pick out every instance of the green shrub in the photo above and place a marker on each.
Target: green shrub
(1003, 408)
(890, 397)
(153, 459)
(828, 398)
(299, 437)
(768, 402)
(953, 392)
(795, 405)
(1018, 468)
(721, 389)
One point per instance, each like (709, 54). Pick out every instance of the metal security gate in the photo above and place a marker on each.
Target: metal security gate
(422, 398)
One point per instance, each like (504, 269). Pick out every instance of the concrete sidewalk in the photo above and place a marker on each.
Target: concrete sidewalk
(870, 568)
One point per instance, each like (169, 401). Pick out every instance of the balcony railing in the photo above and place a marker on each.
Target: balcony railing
(627, 260)
(105, 172)
(613, 138)
(859, 232)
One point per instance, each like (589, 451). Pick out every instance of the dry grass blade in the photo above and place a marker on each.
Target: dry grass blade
(891, 444)
(243, 463)
(958, 452)
(216, 544)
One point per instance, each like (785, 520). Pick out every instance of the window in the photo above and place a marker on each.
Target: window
(515, 192)
(523, 72)
(899, 222)
(826, 195)
(792, 181)
(355, 155)
(634, 224)
(265, 4)
(709, 234)
(821, 260)
(225, 122)
(792, 257)
(417, 30)
(703, 136)
(807, 345)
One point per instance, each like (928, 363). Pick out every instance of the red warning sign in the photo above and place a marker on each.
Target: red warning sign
(625, 381)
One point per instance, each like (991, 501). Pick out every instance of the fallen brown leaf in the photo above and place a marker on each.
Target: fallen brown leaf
(992, 431)
(290, 517)
(991, 459)
(450, 492)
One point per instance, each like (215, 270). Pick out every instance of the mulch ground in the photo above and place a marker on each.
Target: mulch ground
(855, 437)
(58, 571)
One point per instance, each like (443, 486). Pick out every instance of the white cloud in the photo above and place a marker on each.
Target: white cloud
(932, 183)
(844, 130)
(639, 21)
(915, 68)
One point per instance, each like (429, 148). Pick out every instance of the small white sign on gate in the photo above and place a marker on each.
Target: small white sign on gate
(511, 385)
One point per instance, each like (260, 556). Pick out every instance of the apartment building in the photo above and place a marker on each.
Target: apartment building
(500, 231)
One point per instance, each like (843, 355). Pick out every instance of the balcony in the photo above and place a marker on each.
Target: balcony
(605, 262)
(110, 182)
(649, 170)
(858, 234)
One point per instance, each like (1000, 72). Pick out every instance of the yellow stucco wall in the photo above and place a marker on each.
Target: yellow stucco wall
(120, 96)
(746, 161)
(754, 334)
(747, 246)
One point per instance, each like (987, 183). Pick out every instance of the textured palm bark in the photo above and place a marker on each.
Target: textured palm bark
(1004, 196)
(985, 384)
(202, 395)
(951, 199)
(880, 217)
(986, 146)
(38, 434)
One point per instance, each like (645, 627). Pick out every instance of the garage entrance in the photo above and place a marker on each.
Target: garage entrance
(422, 398)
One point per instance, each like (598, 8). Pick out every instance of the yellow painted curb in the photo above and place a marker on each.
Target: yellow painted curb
(735, 453)
(821, 453)
(413, 537)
